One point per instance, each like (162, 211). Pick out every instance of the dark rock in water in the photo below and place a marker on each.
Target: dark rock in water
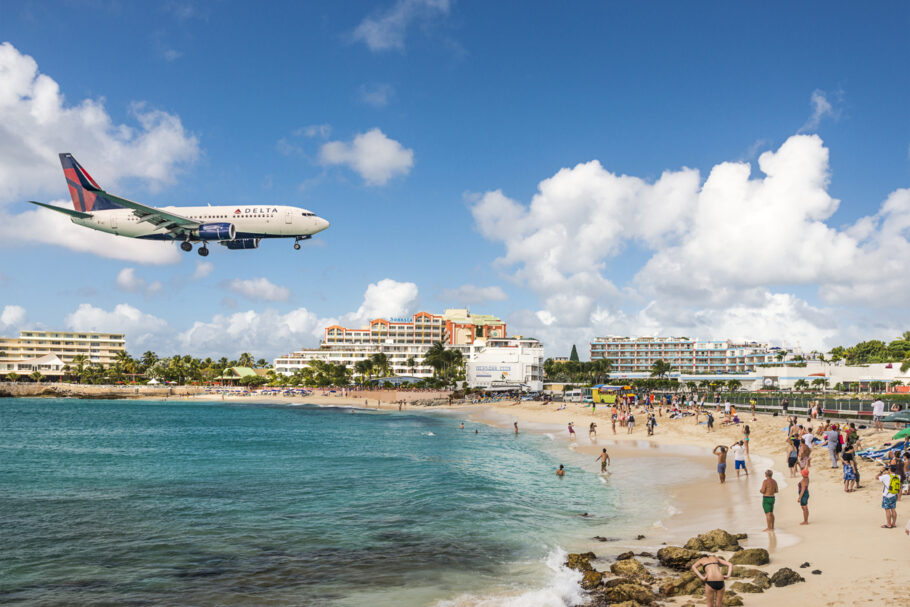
(640, 537)
(629, 592)
(580, 562)
(677, 558)
(625, 555)
(600, 538)
(591, 579)
(648, 555)
(786, 576)
(804, 565)
(687, 583)
(745, 587)
(715, 540)
(630, 568)
(751, 556)
(759, 577)
(816, 572)
(731, 600)
(613, 582)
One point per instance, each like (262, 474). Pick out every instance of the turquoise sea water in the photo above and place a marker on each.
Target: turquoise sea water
(153, 503)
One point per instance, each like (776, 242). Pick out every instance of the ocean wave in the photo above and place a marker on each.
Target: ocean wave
(428, 434)
(563, 589)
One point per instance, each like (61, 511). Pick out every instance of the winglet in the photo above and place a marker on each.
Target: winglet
(78, 214)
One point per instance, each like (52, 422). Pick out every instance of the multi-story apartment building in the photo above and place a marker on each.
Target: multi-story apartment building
(48, 351)
(400, 339)
(510, 363)
(637, 354)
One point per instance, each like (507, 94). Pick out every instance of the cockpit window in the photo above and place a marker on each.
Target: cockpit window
(308, 214)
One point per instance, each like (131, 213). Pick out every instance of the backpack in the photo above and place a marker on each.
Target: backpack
(894, 485)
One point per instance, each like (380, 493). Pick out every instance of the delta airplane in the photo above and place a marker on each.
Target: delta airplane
(235, 227)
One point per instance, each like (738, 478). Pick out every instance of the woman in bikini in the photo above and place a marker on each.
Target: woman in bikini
(713, 578)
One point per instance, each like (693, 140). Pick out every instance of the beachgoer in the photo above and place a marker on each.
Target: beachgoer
(462, 426)
(805, 456)
(891, 494)
(604, 460)
(752, 407)
(785, 405)
(721, 452)
(630, 422)
(746, 433)
(592, 429)
(768, 490)
(516, 428)
(791, 457)
(832, 436)
(572, 431)
(713, 578)
(878, 412)
(561, 471)
(710, 422)
(803, 496)
(613, 422)
(739, 458)
(849, 470)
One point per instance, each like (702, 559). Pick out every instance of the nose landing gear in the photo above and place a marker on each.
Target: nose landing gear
(297, 240)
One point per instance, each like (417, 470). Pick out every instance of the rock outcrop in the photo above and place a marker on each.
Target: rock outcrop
(687, 583)
(580, 561)
(714, 541)
(786, 576)
(678, 558)
(632, 569)
(751, 556)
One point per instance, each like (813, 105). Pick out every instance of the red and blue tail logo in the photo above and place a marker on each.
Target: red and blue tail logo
(86, 193)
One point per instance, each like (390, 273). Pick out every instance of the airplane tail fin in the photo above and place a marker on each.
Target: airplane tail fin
(87, 195)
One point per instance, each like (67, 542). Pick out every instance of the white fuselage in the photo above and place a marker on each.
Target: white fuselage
(250, 221)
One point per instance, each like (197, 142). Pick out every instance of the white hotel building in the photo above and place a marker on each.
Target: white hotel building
(637, 354)
(400, 339)
(49, 351)
(507, 363)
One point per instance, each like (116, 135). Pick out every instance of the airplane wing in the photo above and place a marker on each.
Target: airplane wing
(177, 225)
(69, 212)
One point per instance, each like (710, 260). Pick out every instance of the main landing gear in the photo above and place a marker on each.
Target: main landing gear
(297, 240)
(187, 246)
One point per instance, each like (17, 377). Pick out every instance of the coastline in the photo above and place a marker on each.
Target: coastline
(861, 563)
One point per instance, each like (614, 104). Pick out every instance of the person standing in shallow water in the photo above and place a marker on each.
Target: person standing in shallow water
(713, 578)
(604, 460)
(721, 452)
(768, 491)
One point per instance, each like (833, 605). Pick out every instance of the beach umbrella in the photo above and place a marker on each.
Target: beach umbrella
(899, 416)
(902, 434)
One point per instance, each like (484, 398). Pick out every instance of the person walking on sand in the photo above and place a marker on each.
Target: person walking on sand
(713, 578)
(878, 412)
(891, 494)
(768, 491)
(710, 422)
(630, 422)
(739, 458)
(803, 496)
(746, 433)
(721, 452)
(604, 460)
(592, 430)
(572, 431)
(832, 436)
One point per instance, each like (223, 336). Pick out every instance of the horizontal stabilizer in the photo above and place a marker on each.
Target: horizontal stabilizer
(78, 214)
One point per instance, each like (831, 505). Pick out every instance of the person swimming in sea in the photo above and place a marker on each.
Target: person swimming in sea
(713, 578)
(561, 471)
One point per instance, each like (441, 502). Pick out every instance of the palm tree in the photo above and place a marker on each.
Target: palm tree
(148, 360)
(800, 384)
(820, 382)
(245, 360)
(12, 377)
(435, 357)
(733, 385)
(381, 364)
(364, 368)
(905, 366)
(79, 362)
(36, 375)
(262, 363)
(411, 364)
(660, 368)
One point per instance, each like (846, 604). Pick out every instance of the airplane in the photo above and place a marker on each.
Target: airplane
(235, 227)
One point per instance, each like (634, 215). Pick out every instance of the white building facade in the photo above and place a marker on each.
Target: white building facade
(638, 354)
(509, 362)
(48, 351)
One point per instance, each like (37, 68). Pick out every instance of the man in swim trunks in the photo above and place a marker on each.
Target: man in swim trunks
(713, 578)
(721, 452)
(604, 460)
(803, 496)
(768, 489)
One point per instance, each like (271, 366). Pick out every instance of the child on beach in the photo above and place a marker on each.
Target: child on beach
(849, 474)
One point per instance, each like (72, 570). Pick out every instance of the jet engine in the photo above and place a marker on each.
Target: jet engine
(242, 243)
(216, 231)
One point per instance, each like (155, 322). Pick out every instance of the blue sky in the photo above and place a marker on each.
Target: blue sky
(476, 109)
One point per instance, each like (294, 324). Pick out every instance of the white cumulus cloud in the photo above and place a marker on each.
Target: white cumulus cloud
(372, 155)
(203, 270)
(385, 299)
(387, 29)
(258, 289)
(12, 317)
(737, 255)
(143, 331)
